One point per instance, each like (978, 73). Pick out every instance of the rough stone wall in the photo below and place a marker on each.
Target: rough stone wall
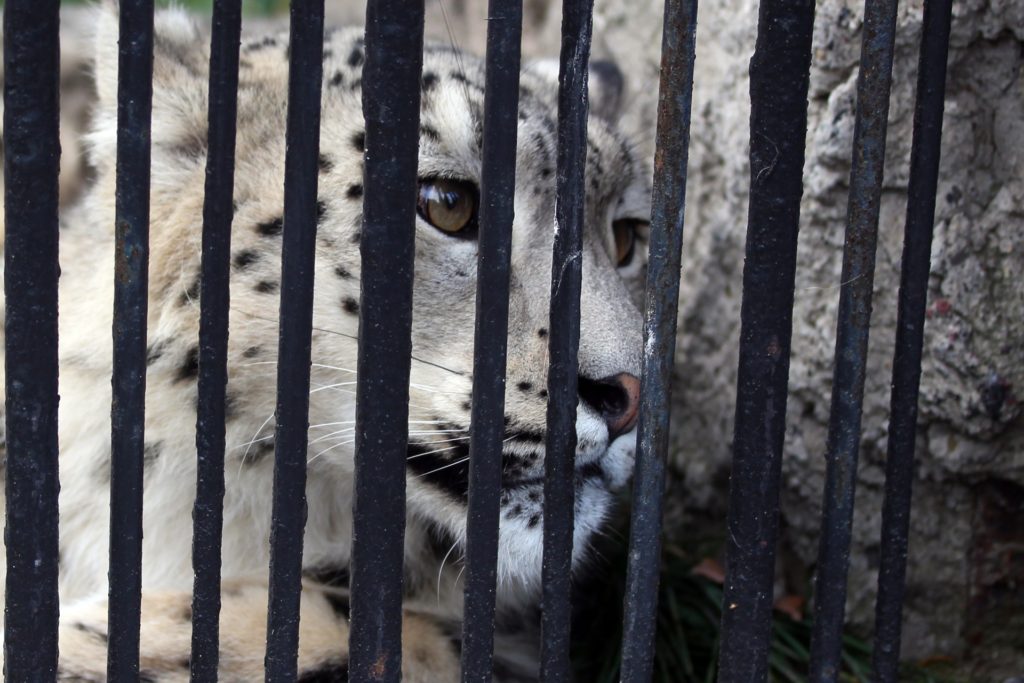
(967, 540)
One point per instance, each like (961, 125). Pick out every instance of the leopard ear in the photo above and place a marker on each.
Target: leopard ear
(605, 85)
(180, 55)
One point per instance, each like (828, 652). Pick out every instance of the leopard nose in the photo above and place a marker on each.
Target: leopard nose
(615, 398)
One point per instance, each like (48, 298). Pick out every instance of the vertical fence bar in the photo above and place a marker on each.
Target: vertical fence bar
(487, 422)
(305, 70)
(660, 313)
(31, 164)
(778, 122)
(131, 283)
(208, 513)
(906, 372)
(564, 341)
(854, 320)
(391, 108)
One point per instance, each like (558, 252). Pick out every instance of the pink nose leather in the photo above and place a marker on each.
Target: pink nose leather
(626, 420)
(616, 399)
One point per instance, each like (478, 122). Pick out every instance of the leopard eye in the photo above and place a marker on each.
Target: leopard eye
(448, 205)
(624, 231)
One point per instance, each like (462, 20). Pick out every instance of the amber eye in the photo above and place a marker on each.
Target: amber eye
(624, 231)
(448, 205)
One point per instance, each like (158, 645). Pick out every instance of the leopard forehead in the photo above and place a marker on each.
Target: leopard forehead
(444, 285)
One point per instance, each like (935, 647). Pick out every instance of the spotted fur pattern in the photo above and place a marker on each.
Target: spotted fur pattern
(441, 367)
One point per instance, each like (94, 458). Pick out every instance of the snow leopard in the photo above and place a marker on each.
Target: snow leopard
(617, 206)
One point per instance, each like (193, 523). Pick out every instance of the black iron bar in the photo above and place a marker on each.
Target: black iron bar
(778, 122)
(854, 321)
(305, 70)
(906, 371)
(564, 341)
(208, 513)
(660, 313)
(487, 423)
(31, 148)
(131, 283)
(391, 108)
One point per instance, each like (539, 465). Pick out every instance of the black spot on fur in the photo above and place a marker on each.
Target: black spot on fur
(258, 452)
(336, 576)
(230, 406)
(528, 436)
(342, 272)
(359, 142)
(251, 352)
(533, 521)
(357, 237)
(266, 287)
(430, 133)
(525, 386)
(154, 352)
(96, 633)
(337, 79)
(191, 146)
(151, 453)
(329, 672)
(321, 211)
(148, 677)
(448, 470)
(350, 305)
(186, 614)
(271, 228)
(269, 41)
(324, 163)
(543, 393)
(466, 405)
(234, 206)
(190, 367)
(191, 293)
(542, 332)
(356, 85)
(354, 191)
(545, 172)
(428, 81)
(246, 258)
(355, 58)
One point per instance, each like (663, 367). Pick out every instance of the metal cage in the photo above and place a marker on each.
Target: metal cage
(394, 30)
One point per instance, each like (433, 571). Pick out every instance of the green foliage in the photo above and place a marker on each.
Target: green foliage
(689, 619)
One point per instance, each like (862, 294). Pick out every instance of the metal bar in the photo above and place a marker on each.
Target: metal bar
(487, 422)
(305, 71)
(131, 283)
(564, 341)
(853, 327)
(391, 108)
(208, 513)
(660, 313)
(31, 147)
(778, 123)
(906, 372)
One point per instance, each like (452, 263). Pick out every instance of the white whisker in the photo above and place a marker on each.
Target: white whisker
(441, 570)
(443, 467)
(439, 450)
(347, 430)
(330, 448)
